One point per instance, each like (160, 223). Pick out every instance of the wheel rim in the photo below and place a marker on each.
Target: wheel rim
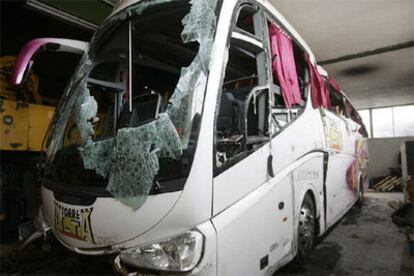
(306, 228)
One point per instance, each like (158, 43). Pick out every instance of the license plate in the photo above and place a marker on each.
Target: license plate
(74, 222)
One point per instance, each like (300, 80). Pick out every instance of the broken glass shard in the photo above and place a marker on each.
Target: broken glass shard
(136, 156)
(86, 109)
(98, 156)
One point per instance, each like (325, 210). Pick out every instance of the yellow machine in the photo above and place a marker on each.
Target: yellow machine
(24, 120)
(23, 126)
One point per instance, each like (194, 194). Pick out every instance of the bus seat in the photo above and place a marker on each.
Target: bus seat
(241, 93)
(144, 109)
(228, 117)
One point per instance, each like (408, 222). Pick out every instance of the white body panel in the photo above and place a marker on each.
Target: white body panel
(106, 221)
(251, 172)
(257, 226)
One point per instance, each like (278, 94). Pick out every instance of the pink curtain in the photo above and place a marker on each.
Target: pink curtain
(334, 84)
(319, 92)
(283, 66)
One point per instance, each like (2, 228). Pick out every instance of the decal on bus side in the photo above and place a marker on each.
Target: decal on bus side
(333, 133)
(359, 164)
(307, 174)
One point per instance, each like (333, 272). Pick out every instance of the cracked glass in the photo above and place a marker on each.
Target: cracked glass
(130, 118)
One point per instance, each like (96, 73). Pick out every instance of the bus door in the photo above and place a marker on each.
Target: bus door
(241, 127)
(247, 204)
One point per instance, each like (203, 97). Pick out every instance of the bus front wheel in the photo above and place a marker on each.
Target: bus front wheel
(306, 228)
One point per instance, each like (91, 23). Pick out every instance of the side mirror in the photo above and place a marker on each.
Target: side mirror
(24, 60)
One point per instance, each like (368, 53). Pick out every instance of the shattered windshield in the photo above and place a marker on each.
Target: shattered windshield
(130, 121)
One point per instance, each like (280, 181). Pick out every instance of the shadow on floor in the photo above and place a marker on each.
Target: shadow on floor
(363, 242)
(324, 259)
(51, 258)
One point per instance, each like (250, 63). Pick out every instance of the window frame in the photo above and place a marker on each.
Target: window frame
(343, 99)
(371, 120)
(263, 75)
(269, 18)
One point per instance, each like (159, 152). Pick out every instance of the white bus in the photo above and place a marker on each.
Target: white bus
(198, 137)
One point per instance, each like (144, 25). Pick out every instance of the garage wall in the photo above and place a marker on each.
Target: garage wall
(384, 154)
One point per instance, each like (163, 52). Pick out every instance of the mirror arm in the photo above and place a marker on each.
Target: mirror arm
(23, 60)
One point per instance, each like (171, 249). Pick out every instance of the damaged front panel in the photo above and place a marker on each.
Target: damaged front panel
(135, 161)
(86, 108)
(199, 26)
(98, 156)
(180, 101)
(134, 10)
(135, 164)
(129, 160)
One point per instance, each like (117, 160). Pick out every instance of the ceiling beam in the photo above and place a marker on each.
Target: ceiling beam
(377, 51)
(64, 16)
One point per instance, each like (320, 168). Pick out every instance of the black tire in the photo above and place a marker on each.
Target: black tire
(360, 192)
(306, 229)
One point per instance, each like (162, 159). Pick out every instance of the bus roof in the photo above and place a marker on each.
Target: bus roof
(122, 4)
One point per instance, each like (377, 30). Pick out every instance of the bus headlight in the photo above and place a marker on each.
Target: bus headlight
(178, 254)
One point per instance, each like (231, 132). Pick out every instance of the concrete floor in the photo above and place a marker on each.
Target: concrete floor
(364, 242)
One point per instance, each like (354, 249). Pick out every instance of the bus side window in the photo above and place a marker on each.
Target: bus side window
(351, 113)
(281, 114)
(354, 116)
(337, 102)
(241, 122)
(246, 18)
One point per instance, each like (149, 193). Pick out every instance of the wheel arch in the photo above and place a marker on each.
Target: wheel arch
(311, 190)
(317, 190)
(318, 209)
(308, 190)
